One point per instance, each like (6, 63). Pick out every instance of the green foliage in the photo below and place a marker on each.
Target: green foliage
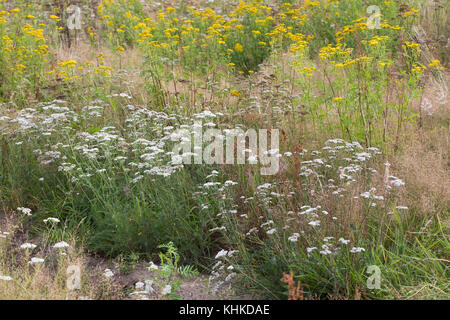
(169, 272)
(119, 18)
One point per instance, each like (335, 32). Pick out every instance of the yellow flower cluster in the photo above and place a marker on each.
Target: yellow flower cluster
(334, 51)
(206, 30)
(69, 72)
(23, 49)
(375, 40)
(410, 12)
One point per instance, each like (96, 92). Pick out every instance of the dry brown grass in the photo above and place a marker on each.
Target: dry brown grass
(434, 29)
(424, 165)
(423, 159)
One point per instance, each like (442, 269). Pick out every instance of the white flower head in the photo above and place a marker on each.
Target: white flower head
(357, 250)
(325, 251)
(314, 223)
(294, 237)
(108, 273)
(54, 220)
(25, 211)
(5, 278)
(231, 252)
(309, 250)
(221, 253)
(27, 245)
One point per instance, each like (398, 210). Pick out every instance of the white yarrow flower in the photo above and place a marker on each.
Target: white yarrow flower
(25, 211)
(314, 223)
(27, 245)
(294, 237)
(108, 273)
(309, 250)
(221, 253)
(357, 250)
(5, 278)
(35, 260)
